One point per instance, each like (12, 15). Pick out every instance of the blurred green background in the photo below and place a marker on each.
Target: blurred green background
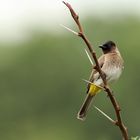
(42, 88)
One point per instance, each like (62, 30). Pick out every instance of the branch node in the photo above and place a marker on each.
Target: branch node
(117, 123)
(80, 34)
(118, 107)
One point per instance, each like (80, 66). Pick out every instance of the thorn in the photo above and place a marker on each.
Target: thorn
(93, 84)
(104, 114)
(89, 57)
(69, 29)
(87, 81)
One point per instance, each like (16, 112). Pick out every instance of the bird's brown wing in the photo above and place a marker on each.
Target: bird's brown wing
(94, 71)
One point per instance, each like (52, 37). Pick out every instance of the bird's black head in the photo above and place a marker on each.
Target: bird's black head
(108, 46)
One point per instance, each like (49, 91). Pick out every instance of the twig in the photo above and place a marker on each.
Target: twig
(81, 34)
(74, 15)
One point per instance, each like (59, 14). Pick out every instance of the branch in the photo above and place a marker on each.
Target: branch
(115, 104)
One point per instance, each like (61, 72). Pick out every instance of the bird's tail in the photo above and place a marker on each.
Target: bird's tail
(93, 90)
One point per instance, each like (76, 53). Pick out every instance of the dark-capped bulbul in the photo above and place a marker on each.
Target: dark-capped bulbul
(111, 63)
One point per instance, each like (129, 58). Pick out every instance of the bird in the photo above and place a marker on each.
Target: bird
(111, 64)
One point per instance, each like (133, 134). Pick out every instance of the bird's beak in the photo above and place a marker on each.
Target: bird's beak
(101, 46)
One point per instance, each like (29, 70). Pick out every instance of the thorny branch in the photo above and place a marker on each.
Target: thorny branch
(115, 104)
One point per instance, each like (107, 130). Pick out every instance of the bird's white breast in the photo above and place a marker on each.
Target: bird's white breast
(113, 74)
